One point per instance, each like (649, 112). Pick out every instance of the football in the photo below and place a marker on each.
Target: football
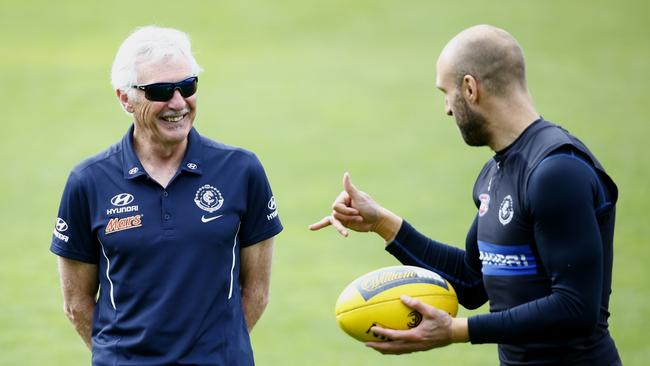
(374, 299)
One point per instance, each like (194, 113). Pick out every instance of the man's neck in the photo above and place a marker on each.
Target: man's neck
(160, 161)
(509, 118)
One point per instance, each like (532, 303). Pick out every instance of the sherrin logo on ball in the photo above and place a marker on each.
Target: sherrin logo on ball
(374, 299)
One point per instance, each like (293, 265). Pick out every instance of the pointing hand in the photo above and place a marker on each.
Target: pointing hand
(356, 210)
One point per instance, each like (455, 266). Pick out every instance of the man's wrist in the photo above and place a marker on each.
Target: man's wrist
(388, 225)
(459, 330)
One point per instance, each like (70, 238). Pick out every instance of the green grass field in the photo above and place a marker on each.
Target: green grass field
(316, 89)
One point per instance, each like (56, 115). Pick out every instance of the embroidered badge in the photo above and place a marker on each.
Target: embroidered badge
(485, 204)
(208, 198)
(506, 210)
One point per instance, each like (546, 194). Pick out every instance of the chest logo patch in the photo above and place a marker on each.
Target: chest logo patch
(485, 204)
(208, 198)
(506, 210)
(119, 224)
(122, 199)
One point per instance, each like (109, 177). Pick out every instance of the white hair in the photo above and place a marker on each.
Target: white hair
(149, 44)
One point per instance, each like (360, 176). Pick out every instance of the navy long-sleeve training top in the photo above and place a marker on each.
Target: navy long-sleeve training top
(539, 249)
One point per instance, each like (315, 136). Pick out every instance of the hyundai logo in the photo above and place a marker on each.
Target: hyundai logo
(121, 199)
(61, 225)
(271, 205)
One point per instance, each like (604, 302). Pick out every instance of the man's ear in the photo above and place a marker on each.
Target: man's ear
(124, 100)
(469, 89)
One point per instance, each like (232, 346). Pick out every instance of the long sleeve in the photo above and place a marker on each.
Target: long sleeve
(461, 268)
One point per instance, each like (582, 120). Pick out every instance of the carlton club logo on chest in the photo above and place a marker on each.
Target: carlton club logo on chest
(506, 210)
(208, 198)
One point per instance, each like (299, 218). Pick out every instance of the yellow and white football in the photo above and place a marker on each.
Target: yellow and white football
(374, 299)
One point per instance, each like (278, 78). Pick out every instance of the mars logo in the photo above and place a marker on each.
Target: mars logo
(485, 204)
(506, 211)
(208, 198)
(119, 224)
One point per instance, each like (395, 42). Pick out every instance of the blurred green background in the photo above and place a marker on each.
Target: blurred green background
(315, 88)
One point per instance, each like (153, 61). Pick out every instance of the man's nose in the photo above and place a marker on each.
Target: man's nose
(177, 101)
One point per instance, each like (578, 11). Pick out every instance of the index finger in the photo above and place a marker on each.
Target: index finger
(324, 222)
(393, 334)
(327, 221)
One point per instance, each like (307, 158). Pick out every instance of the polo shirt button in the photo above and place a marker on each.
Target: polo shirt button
(167, 216)
(165, 194)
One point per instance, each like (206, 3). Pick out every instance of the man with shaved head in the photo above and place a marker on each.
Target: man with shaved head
(540, 246)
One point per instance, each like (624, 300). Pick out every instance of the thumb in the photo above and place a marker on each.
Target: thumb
(349, 187)
(419, 306)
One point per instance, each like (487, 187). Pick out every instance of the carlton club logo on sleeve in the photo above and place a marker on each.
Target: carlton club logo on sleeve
(209, 199)
(120, 201)
(60, 227)
(274, 209)
(506, 210)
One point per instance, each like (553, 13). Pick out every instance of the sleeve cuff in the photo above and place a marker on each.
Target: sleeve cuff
(405, 231)
(54, 248)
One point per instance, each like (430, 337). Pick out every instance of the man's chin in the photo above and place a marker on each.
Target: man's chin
(176, 134)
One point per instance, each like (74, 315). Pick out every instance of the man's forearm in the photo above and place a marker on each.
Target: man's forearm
(254, 302)
(79, 284)
(81, 317)
(255, 278)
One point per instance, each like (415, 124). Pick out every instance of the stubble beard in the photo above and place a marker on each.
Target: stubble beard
(472, 125)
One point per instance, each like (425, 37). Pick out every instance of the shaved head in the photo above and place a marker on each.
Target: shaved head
(489, 54)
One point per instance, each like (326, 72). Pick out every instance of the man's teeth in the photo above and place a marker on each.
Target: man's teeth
(173, 118)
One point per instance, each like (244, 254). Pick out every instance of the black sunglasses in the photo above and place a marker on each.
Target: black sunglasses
(162, 92)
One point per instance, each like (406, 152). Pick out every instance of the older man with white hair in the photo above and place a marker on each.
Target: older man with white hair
(165, 239)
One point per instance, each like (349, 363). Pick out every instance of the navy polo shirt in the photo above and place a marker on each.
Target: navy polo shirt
(168, 258)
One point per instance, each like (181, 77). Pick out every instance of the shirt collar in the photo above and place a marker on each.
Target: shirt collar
(191, 163)
(503, 154)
